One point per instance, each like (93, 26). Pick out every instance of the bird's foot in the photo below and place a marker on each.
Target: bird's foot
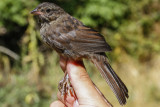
(66, 88)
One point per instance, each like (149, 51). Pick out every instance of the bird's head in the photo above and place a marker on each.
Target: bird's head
(47, 12)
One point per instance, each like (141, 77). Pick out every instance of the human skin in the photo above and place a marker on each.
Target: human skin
(87, 94)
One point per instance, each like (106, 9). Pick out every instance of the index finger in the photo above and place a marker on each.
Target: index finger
(82, 84)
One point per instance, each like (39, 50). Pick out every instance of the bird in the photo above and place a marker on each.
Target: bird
(71, 39)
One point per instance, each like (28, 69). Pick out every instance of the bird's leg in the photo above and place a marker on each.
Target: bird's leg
(65, 86)
(62, 87)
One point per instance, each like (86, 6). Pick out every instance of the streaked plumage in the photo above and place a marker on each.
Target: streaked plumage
(72, 39)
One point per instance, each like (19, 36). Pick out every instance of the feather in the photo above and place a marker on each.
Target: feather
(111, 78)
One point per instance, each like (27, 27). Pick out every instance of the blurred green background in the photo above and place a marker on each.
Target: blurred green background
(30, 72)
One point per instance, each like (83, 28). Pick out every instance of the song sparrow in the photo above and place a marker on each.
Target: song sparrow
(73, 40)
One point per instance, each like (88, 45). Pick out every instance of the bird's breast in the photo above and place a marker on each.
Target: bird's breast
(49, 36)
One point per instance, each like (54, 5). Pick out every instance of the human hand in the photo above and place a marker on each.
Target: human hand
(87, 94)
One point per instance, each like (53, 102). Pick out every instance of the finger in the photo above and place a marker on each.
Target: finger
(104, 98)
(82, 84)
(59, 95)
(69, 101)
(57, 104)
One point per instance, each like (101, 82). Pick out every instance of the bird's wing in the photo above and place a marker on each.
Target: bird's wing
(81, 40)
(89, 40)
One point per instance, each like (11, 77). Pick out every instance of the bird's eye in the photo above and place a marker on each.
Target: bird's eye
(48, 10)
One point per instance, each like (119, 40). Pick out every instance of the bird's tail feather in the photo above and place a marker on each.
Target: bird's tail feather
(116, 84)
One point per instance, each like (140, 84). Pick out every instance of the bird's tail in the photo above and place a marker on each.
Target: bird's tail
(116, 84)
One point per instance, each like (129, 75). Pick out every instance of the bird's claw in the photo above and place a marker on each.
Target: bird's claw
(66, 88)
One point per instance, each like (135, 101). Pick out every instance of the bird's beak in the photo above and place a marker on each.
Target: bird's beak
(36, 12)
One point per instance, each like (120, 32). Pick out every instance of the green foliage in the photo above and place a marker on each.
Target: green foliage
(139, 36)
(102, 12)
(15, 12)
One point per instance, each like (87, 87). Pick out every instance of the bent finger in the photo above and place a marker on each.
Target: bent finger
(57, 104)
(68, 100)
